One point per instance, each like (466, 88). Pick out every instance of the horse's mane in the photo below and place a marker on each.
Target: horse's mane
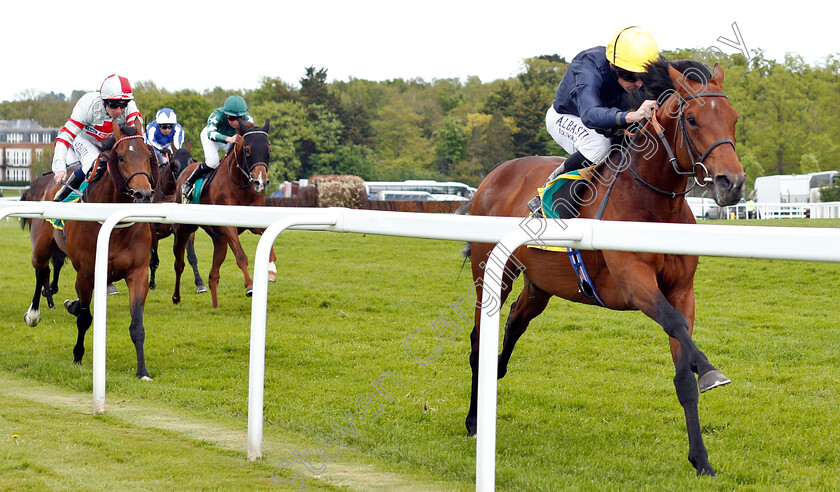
(656, 81)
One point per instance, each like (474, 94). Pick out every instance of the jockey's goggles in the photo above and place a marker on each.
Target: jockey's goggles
(116, 103)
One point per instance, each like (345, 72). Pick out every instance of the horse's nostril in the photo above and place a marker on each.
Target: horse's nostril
(722, 183)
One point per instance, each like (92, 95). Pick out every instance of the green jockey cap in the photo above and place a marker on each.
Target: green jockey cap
(235, 106)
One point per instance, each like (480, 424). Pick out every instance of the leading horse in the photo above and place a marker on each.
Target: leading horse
(129, 177)
(241, 179)
(644, 184)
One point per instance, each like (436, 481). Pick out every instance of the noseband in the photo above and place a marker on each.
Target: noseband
(697, 158)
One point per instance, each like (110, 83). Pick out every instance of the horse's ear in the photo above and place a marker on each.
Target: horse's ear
(717, 74)
(267, 125)
(139, 126)
(683, 83)
(118, 132)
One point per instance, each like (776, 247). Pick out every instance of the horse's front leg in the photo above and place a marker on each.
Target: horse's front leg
(154, 262)
(219, 254)
(80, 308)
(644, 294)
(232, 237)
(138, 288)
(57, 261)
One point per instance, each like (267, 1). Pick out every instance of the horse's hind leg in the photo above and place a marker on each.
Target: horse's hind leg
(272, 259)
(511, 272)
(182, 234)
(531, 302)
(83, 322)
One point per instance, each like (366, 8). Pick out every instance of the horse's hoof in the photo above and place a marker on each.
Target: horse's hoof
(152, 286)
(249, 291)
(712, 379)
(78, 362)
(201, 289)
(112, 289)
(176, 300)
(145, 378)
(32, 318)
(472, 426)
(272, 276)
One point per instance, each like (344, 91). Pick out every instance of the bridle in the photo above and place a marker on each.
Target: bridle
(247, 170)
(696, 157)
(127, 189)
(122, 182)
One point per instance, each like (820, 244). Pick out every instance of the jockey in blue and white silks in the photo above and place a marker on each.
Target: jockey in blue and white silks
(164, 132)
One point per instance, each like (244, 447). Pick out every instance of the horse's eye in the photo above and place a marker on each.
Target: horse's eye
(691, 120)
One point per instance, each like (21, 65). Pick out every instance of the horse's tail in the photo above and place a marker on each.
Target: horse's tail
(464, 209)
(23, 222)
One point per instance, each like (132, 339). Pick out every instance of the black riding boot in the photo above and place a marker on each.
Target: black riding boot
(201, 171)
(572, 163)
(74, 180)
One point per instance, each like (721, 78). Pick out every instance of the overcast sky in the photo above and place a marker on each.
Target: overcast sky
(62, 46)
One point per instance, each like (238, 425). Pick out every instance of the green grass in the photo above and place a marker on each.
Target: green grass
(588, 401)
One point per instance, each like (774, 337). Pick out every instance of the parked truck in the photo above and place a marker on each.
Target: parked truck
(791, 188)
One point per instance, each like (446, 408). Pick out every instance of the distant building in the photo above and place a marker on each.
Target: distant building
(21, 143)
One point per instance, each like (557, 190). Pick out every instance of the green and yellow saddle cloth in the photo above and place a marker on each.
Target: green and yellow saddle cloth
(72, 197)
(560, 201)
(195, 194)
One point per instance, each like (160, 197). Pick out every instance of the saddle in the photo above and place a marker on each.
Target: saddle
(561, 197)
(199, 187)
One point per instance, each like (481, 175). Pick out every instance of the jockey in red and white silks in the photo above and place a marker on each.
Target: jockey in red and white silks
(91, 122)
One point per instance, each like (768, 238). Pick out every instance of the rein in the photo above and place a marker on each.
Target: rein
(696, 157)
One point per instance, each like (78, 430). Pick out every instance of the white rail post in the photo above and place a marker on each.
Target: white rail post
(259, 303)
(488, 350)
(100, 299)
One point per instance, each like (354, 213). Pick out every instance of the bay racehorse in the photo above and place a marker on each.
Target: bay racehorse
(166, 191)
(240, 179)
(130, 176)
(643, 184)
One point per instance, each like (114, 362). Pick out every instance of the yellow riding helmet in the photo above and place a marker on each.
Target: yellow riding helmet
(632, 48)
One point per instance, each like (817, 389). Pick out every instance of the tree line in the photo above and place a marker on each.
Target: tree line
(448, 129)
